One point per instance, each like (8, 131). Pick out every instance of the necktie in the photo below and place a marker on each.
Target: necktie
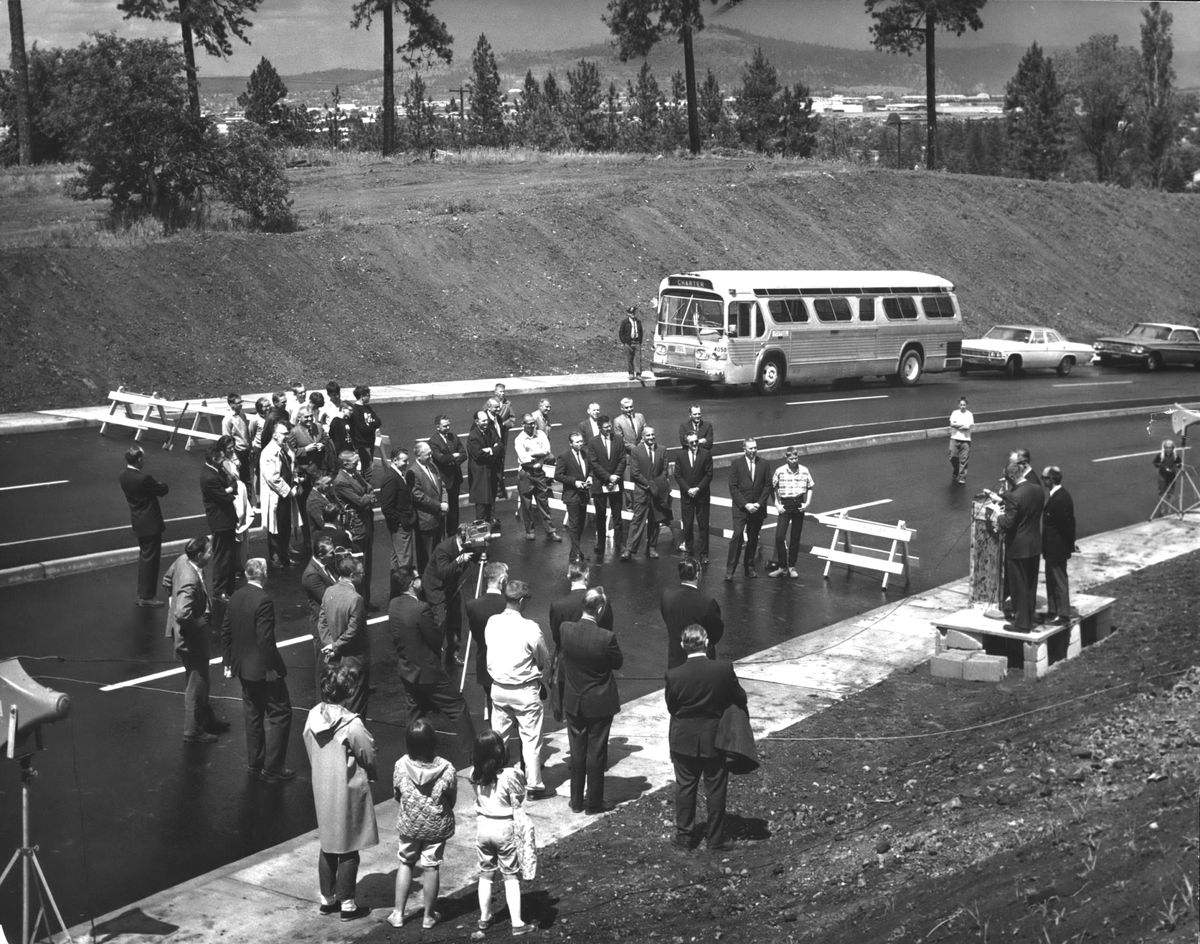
(652, 456)
(693, 457)
(751, 469)
(607, 451)
(579, 460)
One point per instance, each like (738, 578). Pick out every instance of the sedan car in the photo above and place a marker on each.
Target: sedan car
(1017, 348)
(1151, 345)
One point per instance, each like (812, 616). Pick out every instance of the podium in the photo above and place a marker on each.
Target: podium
(986, 575)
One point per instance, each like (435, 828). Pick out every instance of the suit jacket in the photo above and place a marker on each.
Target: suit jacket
(650, 477)
(342, 621)
(604, 463)
(694, 475)
(569, 609)
(1058, 526)
(590, 654)
(428, 493)
(589, 429)
(220, 512)
(630, 430)
(315, 580)
(625, 331)
(681, 606)
(188, 606)
(697, 693)
(483, 469)
(745, 490)
(354, 494)
(396, 500)
(143, 491)
(567, 472)
(443, 574)
(705, 432)
(1022, 520)
(479, 611)
(418, 640)
(313, 462)
(248, 636)
(444, 452)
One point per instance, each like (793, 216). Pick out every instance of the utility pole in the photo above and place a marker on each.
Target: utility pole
(462, 117)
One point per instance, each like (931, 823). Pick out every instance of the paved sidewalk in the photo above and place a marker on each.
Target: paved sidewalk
(271, 896)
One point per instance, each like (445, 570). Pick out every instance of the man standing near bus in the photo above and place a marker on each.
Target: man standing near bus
(961, 421)
(632, 335)
(792, 486)
(749, 487)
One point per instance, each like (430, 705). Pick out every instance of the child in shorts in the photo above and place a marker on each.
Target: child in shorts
(425, 787)
(498, 790)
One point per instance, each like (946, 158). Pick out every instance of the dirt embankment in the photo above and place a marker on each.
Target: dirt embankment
(412, 272)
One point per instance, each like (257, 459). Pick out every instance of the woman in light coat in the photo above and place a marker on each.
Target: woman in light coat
(342, 756)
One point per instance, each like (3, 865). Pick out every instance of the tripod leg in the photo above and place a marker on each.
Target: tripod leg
(49, 896)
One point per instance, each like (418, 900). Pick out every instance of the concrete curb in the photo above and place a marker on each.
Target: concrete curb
(28, 573)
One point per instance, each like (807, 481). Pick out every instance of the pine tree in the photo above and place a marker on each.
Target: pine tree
(798, 122)
(644, 98)
(419, 113)
(584, 99)
(263, 92)
(1034, 109)
(485, 115)
(758, 111)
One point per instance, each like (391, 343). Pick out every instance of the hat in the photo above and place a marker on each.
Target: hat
(631, 310)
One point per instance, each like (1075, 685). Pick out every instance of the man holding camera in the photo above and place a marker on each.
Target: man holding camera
(357, 499)
(443, 579)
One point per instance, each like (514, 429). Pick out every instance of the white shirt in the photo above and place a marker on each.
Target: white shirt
(531, 446)
(961, 422)
(516, 649)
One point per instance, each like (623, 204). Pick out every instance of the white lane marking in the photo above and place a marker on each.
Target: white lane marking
(178, 670)
(1096, 383)
(11, 488)
(84, 534)
(1129, 455)
(877, 396)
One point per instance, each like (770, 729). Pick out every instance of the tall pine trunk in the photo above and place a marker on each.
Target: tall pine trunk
(689, 70)
(389, 90)
(930, 95)
(20, 68)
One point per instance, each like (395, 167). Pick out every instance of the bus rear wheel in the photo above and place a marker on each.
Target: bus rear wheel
(770, 376)
(909, 371)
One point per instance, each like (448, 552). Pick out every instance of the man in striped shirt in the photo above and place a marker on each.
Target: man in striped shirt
(792, 486)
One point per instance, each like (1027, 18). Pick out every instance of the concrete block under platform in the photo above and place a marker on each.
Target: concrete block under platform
(948, 664)
(981, 667)
(1037, 652)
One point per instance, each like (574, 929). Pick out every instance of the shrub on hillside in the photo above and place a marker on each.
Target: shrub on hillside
(249, 175)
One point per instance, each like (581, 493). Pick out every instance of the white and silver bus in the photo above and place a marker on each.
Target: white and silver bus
(766, 328)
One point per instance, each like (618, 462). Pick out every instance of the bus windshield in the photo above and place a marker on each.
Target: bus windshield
(689, 316)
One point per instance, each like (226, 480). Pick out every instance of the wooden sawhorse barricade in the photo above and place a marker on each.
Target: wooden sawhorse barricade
(1034, 653)
(142, 412)
(891, 561)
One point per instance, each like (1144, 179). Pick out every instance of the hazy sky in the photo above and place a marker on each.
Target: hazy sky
(310, 35)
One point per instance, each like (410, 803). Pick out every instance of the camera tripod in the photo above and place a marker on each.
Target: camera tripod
(27, 855)
(1180, 497)
(462, 680)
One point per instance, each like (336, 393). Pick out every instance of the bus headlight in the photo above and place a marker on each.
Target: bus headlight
(701, 354)
(660, 350)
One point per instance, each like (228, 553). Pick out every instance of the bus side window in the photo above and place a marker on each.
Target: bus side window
(866, 309)
(743, 315)
(760, 326)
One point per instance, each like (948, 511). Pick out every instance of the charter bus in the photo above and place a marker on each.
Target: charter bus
(766, 328)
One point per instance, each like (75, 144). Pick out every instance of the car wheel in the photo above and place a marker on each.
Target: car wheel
(909, 371)
(1065, 365)
(1012, 367)
(770, 376)
(1153, 362)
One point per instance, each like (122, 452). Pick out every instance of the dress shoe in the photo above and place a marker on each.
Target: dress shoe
(539, 793)
(625, 555)
(777, 572)
(751, 572)
(728, 576)
(576, 807)
(217, 726)
(150, 602)
(360, 912)
(652, 554)
(331, 909)
(555, 537)
(530, 536)
(280, 775)
(603, 808)
(200, 737)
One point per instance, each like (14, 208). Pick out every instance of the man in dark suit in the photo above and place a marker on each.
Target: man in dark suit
(571, 471)
(1058, 543)
(631, 336)
(427, 686)
(357, 498)
(651, 494)
(399, 512)
(589, 426)
(693, 474)
(569, 607)
(188, 614)
(310, 445)
(442, 580)
(697, 424)
(687, 605)
(590, 655)
(485, 466)
(697, 694)
(479, 611)
(449, 454)
(342, 629)
(250, 654)
(431, 501)
(1021, 522)
(217, 492)
(318, 577)
(143, 491)
(750, 489)
(606, 460)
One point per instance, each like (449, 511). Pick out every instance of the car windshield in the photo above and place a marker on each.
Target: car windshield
(1149, 332)
(689, 316)
(1003, 333)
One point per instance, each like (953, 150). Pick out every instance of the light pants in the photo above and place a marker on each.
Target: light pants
(520, 705)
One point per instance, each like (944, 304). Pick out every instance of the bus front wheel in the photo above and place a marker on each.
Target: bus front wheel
(770, 377)
(910, 369)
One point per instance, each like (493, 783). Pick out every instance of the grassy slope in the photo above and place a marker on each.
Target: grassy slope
(410, 272)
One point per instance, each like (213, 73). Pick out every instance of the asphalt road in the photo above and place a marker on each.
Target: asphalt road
(123, 808)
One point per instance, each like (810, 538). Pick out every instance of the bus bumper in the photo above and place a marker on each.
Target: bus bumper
(712, 374)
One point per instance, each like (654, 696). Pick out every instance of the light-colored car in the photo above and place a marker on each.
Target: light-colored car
(1017, 348)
